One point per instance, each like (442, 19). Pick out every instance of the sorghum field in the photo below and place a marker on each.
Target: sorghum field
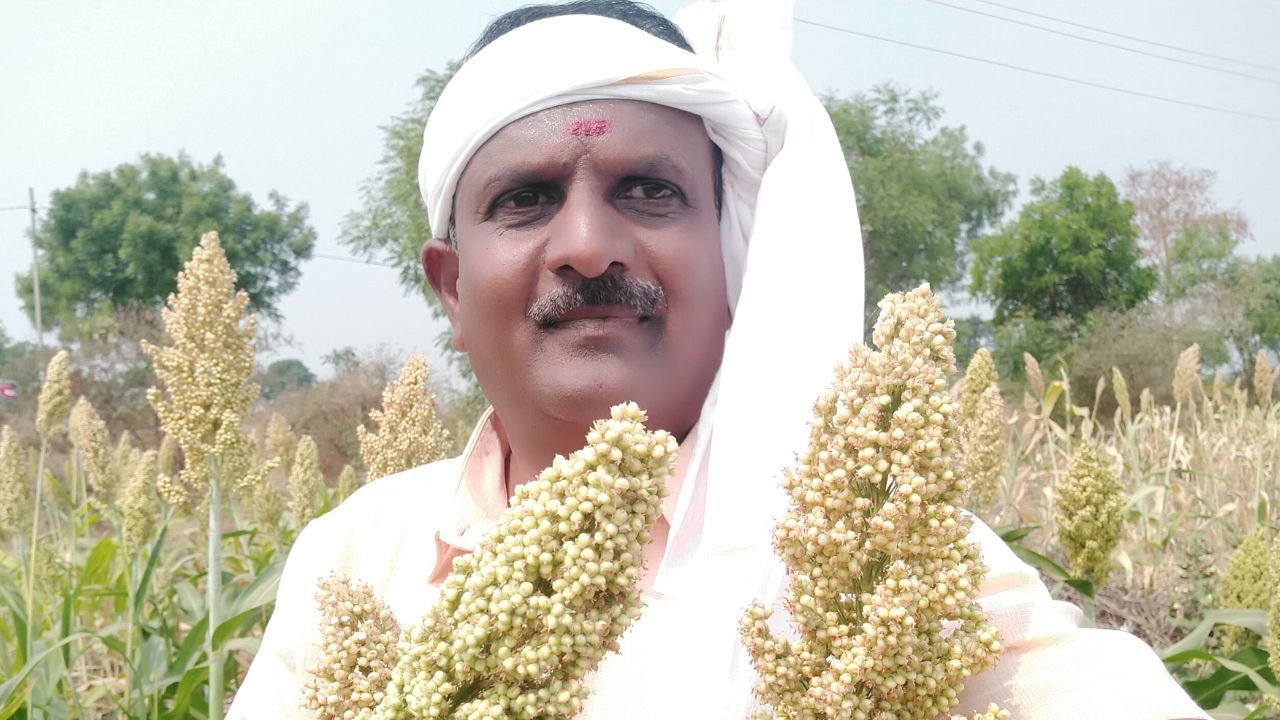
(136, 578)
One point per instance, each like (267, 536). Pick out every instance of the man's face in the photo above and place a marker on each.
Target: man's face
(617, 200)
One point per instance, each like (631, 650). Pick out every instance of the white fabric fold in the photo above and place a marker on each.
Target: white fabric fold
(789, 236)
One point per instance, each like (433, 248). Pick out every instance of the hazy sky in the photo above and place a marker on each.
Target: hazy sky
(292, 94)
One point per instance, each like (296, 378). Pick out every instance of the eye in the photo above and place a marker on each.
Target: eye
(522, 199)
(649, 191)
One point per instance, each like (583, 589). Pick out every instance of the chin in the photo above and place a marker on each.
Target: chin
(585, 394)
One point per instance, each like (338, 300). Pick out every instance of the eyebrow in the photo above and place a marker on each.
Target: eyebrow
(529, 173)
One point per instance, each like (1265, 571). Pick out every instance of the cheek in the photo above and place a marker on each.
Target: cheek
(491, 287)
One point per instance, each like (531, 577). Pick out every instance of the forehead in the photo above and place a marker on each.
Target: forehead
(614, 126)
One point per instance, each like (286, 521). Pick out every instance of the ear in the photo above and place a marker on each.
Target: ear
(440, 264)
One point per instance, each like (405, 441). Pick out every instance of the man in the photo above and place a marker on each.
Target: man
(619, 218)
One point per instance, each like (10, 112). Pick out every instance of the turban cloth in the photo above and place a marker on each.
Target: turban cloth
(789, 237)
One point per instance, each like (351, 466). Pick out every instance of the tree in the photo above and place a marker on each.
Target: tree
(119, 236)
(923, 192)
(284, 375)
(1072, 250)
(392, 225)
(1182, 231)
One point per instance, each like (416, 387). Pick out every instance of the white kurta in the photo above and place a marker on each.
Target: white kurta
(385, 534)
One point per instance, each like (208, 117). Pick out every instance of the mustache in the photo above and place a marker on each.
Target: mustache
(645, 298)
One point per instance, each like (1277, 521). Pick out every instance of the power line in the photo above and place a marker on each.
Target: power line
(357, 261)
(1156, 43)
(1043, 73)
(1095, 41)
(16, 207)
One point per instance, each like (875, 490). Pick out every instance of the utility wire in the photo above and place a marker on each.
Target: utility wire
(1043, 73)
(357, 261)
(16, 207)
(1095, 41)
(1094, 28)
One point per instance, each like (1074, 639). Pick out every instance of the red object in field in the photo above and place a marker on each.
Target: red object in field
(8, 390)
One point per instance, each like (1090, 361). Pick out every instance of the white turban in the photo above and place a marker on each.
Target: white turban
(789, 231)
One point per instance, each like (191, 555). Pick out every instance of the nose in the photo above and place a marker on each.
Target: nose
(588, 238)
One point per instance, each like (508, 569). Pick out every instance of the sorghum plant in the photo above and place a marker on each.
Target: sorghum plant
(980, 375)
(304, 481)
(1263, 379)
(348, 482)
(357, 652)
(1090, 512)
(984, 446)
(409, 434)
(562, 567)
(207, 393)
(1247, 583)
(882, 582)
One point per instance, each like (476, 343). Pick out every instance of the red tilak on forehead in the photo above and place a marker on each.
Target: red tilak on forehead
(588, 128)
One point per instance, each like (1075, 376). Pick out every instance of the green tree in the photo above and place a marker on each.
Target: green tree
(284, 375)
(1072, 250)
(1181, 229)
(118, 237)
(923, 192)
(392, 225)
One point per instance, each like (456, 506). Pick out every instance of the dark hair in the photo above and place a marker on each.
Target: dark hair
(636, 14)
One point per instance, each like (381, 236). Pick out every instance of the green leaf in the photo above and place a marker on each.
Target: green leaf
(7, 706)
(1255, 620)
(140, 593)
(1040, 562)
(99, 563)
(1250, 662)
(1015, 533)
(259, 592)
(1084, 587)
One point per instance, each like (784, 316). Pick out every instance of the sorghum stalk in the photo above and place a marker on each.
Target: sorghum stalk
(206, 372)
(55, 400)
(215, 590)
(882, 581)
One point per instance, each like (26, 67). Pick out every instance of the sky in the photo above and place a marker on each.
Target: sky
(293, 93)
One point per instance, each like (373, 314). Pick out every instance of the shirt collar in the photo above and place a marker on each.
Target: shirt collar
(481, 497)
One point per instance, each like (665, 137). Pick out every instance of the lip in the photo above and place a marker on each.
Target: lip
(600, 312)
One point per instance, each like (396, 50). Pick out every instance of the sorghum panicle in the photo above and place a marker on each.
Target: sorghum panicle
(138, 503)
(882, 582)
(15, 486)
(1247, 583)
(1120, 388)
(980, 375)
(984, 446)
(547, 592)
(206, 372)
(409, 434)
(1186, 376)
(357, 651)
(55, 395)
(1263, 379)
(305, 481)
(348, 482)
(88, 435)
(1035, 379)
(1089, 503)
(278, 441)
